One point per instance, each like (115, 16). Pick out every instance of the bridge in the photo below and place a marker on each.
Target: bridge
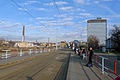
(61, 64)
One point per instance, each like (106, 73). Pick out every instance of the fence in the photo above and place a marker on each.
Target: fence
(107, 66)
(9, 53)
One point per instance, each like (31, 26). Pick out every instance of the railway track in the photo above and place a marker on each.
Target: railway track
(43, 67)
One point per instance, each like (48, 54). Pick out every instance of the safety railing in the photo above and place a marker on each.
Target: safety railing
(107, 66)
(8, 53)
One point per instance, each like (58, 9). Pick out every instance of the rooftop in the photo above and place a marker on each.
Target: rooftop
(96, 20)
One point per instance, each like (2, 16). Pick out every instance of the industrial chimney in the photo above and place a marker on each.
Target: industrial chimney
(23, 33)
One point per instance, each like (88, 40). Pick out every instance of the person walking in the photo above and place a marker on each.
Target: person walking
(83, 53)
(75, 50)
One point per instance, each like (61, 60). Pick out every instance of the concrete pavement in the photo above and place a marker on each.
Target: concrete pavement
(78, 71)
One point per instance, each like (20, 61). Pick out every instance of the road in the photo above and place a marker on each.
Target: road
(42, 67)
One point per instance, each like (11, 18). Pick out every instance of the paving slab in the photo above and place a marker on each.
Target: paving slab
(78, 71)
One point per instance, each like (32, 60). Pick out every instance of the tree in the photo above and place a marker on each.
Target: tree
(1, 42)
(93, 42)
(115, 37)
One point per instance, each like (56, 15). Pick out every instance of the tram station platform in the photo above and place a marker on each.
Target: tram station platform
(78, 71)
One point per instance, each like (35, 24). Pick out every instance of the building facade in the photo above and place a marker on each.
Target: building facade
(98, 27)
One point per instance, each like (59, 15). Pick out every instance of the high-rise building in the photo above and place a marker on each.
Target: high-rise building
(98, 27)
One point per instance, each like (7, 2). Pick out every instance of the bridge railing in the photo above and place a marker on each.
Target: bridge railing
(9, 54)
(107, 66)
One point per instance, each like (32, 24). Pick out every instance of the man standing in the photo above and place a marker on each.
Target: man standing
(90, 57)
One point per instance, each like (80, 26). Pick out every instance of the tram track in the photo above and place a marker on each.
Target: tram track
(27, 69)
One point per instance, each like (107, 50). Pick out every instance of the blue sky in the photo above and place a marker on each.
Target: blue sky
(65, 19)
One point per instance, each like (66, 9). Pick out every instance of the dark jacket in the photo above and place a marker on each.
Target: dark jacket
(83, 51)
(91, 52)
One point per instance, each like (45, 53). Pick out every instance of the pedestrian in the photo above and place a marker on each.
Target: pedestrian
(90, 57)
(79, 52)
(75, 50)
(83, 53)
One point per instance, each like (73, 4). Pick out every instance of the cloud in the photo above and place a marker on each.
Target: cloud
(39, 18)
(44, 18)
(73, 35)
(30, 2)
(62, 15)
(68, 18)
(61, 3)
(65, 8)
(78, 9)
(83, 2)
(41, 9)
(85, 14)
(108, 9)
(79, 1)
(69, 23)
(22, 9)
(2, 22)
(107, 0)
(96, 2)
(57, 3)
(8, 25)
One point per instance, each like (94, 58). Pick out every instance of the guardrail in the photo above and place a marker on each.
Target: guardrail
(14, 53)
(107, 66)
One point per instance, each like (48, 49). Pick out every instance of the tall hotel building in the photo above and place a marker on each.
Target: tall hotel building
(98, 27)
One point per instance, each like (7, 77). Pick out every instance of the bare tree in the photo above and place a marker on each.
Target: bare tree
(115, 37)
(93, 42)
(1, 42)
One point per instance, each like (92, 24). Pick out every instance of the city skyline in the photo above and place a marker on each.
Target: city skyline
(62, 18)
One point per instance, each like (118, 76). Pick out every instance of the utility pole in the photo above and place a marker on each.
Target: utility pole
(48, 40)
(81, 36)
(56, 42)
(56, 39)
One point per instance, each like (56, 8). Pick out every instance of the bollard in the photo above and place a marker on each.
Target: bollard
(115, 67)
(14, 52)
(6, 55)
(103, 65)
(96, 59)
(21, 53)
(49, 50)
(88, 56)
(30, 51)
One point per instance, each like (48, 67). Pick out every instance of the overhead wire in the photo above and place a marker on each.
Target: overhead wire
(27, 12)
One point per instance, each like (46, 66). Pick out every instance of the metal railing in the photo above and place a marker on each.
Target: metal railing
(9, 54)
(107, 66)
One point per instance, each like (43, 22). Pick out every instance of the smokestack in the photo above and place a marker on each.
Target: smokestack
(48, 39)
(23, 33)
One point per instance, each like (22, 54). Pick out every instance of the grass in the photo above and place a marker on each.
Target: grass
(116, 53)
(112, 52)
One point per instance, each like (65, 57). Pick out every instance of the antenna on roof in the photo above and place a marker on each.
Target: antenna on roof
(99, 18)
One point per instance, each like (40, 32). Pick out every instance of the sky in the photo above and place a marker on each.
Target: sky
(64, 20)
